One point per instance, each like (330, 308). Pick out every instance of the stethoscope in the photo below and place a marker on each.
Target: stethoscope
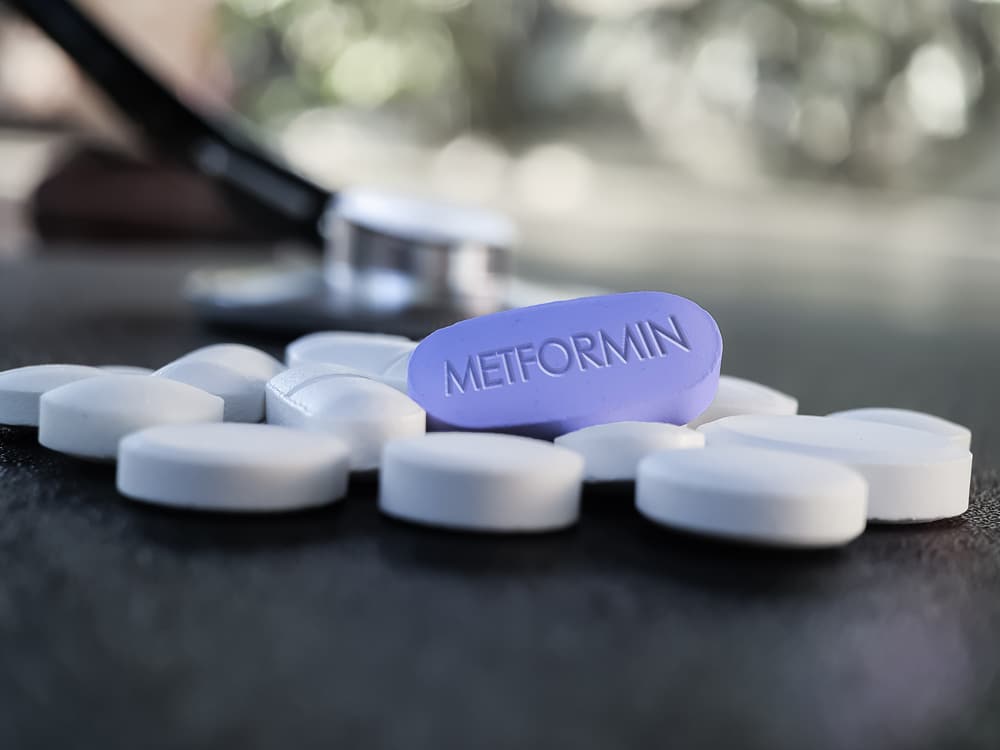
(390, 263)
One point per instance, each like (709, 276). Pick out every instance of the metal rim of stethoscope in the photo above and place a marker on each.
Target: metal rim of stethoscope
(391, 263)
(387, 252)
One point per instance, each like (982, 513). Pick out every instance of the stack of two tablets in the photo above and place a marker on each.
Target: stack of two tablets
(524, 407)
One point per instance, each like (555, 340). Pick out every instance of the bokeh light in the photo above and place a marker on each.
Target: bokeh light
(854, 91)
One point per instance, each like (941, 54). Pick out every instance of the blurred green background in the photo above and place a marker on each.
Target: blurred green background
(845, 149)
(866, 92)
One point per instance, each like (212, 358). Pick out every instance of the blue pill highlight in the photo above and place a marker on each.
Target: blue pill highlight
(549, 369)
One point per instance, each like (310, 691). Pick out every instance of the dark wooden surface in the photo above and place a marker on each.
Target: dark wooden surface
(126, 626)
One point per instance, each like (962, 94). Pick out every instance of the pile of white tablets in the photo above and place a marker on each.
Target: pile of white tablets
(230, 428)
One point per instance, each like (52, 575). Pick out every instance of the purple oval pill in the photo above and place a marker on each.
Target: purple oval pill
(549, 369)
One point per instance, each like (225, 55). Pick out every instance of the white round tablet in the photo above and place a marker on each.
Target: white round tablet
(21, 389)
(912, 476)
(127, 369)
(738, 396)
(753, 495)
(88, 418)
(232, 467)
(361, 411)
(233, 372)
(478, 481)
(612, 451)
(369, 352)
(917, 420)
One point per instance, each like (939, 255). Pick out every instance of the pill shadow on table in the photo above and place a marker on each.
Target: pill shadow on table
(608, 500)
(751, 572)
(614, 534)
(15, 436)
(464, 553)
(19, 448)
(194, 531)
(889, 528)
(610, 535)
(351, 518)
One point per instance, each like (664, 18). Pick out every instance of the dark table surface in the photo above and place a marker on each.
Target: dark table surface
(129, 626)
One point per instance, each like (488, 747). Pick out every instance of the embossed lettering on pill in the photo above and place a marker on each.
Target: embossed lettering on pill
(548, 369)
(557, 356)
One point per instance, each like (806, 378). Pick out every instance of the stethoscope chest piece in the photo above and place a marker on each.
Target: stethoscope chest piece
(387, 254)
(391, 263)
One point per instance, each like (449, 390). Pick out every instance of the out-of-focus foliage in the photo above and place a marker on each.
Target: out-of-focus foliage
(883, 92)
